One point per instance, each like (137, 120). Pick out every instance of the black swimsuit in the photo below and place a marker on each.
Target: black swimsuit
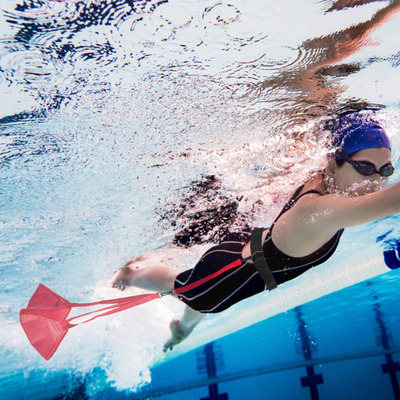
(243, 281)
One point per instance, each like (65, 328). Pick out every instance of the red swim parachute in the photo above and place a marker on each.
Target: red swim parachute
(45, 321)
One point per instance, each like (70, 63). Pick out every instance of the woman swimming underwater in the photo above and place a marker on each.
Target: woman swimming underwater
(349, 191)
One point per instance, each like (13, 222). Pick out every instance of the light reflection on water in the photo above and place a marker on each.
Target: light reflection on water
(247, 50)
(128, 103)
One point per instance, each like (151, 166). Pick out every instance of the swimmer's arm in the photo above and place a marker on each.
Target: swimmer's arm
(334, 211)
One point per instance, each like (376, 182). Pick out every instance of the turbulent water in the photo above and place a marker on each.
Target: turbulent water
(134, 126)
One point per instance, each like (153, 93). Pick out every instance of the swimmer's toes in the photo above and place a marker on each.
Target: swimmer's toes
(167, 347)
(177, 335)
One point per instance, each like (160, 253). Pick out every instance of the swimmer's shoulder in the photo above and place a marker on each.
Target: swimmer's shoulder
(314, 187)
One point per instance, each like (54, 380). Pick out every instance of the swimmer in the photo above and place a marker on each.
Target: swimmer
(349, 191)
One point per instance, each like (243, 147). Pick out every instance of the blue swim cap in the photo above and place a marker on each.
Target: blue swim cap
(358, 130)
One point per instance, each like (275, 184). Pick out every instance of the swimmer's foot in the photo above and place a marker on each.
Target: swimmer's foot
(125, 276)
(178, 334)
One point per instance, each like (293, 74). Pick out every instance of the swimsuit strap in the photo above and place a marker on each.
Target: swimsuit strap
(257, 255)
(296, 197)
(292, 202)
(256, 246)
(308, 192)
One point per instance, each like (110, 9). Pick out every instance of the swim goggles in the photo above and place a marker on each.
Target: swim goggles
(365, 167)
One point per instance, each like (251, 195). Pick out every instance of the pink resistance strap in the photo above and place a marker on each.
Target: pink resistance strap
(207, 278)
(45, 322)
(117, 306)
(125, 303)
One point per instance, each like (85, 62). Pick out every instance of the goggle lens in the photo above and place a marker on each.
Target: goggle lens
(366, 168)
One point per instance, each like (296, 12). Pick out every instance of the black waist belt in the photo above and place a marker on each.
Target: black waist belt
(257, 255)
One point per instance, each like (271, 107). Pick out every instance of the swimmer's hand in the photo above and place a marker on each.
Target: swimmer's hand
(392, 256)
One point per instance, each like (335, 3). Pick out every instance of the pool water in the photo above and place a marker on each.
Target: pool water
(134, 127)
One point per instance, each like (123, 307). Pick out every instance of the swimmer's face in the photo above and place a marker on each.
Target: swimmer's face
(349, 180)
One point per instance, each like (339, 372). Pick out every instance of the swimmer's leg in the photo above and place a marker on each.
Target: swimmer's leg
(181, 329)
(156, 278)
